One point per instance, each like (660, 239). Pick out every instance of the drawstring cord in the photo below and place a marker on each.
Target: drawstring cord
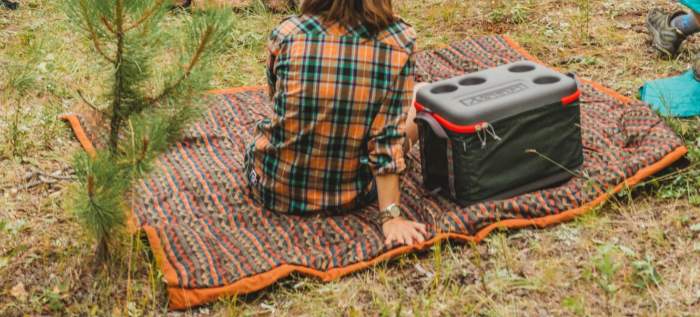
(492, 132)
(481, 134)
(484, 133)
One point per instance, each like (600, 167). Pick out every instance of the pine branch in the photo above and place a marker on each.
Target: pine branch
(201, 48)
(144, 150)
(107, 24)
(93, 203)
(149, 13)
(93, 33)
(90, 104)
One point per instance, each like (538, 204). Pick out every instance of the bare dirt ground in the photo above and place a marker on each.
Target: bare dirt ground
(635, 256)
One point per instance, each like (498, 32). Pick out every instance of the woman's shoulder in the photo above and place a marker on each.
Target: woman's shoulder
(399, 34)
(295, 24)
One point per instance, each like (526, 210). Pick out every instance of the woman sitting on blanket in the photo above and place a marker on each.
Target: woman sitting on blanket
(341, 78)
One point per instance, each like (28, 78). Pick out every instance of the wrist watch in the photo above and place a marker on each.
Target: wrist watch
(391, 212)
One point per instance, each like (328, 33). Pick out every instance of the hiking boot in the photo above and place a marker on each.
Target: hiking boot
(665, 38)
(696, 66)
(9, 4)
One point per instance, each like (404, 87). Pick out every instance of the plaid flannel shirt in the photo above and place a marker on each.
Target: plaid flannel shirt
(340, 101)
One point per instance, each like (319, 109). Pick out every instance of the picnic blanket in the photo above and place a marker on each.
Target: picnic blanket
(210, 239)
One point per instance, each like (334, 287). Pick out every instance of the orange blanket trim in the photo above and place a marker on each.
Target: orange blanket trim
(183, 298)
(80, 134)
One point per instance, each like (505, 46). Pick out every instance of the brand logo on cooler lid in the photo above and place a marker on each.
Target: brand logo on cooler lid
(494, 94)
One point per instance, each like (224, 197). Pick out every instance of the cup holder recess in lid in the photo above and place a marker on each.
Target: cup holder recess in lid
(522, 68)
(545, 80)
(472, 81)
(443, 89)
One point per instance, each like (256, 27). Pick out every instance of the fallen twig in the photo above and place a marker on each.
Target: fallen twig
(38, 177)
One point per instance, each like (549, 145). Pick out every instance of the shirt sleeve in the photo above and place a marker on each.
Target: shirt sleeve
(388, 131)
(273, 47)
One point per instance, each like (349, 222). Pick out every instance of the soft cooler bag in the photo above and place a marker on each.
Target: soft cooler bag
(500, 132)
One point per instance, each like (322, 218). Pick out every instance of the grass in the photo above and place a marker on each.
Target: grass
(636, 255)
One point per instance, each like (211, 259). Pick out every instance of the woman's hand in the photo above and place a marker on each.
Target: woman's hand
(397, 229)
(403, 231)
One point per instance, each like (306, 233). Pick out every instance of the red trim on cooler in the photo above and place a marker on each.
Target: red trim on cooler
(472, 128)
(571, 98)
(418, 106)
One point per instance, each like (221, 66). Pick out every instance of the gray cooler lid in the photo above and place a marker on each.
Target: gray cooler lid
(496, 93)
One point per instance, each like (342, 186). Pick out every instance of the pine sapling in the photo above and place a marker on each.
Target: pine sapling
(153, 72)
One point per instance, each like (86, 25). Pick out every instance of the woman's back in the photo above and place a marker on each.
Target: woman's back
(340, 96)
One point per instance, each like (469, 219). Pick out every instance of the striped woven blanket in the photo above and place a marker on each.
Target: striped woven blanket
(211, 240)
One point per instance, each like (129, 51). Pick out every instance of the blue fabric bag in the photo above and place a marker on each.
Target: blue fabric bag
(677, 96)
(692, 4)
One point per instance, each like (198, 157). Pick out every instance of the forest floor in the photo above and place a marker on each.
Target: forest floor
(636, 255)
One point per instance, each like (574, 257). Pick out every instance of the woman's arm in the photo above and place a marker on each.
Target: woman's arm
(386, 151)
(388, 190)
(398, 229)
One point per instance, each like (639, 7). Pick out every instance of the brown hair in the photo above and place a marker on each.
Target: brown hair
(375, 15)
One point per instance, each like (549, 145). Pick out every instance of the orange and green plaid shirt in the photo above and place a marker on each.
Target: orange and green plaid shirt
(340, 101)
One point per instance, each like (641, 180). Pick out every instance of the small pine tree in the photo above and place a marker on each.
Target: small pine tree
(152, 74)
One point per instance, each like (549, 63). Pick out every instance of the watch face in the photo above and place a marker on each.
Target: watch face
(395, 211)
